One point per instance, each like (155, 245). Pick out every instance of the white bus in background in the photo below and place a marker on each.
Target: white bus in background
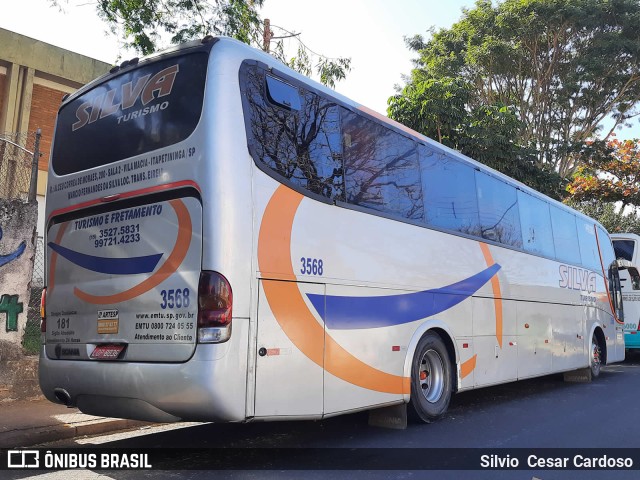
(626, 248)
(228, 240)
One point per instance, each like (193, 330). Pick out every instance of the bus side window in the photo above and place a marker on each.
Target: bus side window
(449, 189)
(535, 221)
(588, 244)
(381, 168)
(282, 93)
(565, 237)
(294, 133)
(498, 210)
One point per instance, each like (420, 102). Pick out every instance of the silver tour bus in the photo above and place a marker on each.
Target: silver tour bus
(228, 240)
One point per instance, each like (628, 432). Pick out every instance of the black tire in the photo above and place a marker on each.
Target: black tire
(431, 379)
(595, 356)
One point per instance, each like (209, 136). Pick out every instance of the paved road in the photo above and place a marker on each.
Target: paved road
(538, 413)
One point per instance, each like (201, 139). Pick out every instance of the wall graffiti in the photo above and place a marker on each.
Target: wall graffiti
(4, 259)
(18, 222)
(10, 305)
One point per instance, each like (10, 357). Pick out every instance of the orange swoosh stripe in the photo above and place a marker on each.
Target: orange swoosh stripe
(497, 295)
(291, 312)
(168, 268)
(469, 366)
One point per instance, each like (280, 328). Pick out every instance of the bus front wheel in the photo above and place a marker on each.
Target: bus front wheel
(430, 379)
(595, 356)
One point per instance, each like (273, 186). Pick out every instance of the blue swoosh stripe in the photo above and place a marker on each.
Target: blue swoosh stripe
(4, 259)
(115, 266)
(347, 313)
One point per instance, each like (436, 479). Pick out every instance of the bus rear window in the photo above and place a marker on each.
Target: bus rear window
(142, 110)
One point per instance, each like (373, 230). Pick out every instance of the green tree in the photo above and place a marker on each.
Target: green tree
(564, 66)
(434, 107)
(607, 213)
(142, 24)
(444, 109)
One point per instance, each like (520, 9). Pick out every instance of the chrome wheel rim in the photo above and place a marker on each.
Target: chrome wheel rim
(595, 354)
(431, 376)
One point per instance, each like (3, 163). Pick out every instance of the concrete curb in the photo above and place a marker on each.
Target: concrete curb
(51, 433)
(27, 418)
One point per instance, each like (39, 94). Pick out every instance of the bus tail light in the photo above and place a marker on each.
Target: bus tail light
(215, 302)
(43, 314)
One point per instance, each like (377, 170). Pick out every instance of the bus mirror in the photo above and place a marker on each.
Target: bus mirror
(635, 278)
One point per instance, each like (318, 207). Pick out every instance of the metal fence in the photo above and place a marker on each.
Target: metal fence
(31, 337)
(19, 154)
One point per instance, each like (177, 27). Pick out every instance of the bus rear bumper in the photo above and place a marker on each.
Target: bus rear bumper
(211, 386)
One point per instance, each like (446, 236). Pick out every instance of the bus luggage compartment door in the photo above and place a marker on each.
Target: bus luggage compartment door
(290, 347)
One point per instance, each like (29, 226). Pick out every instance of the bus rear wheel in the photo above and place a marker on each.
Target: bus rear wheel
(430, 379)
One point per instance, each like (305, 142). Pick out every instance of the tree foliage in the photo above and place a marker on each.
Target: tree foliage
(607, 213)
(562, 66)
(444, 109)
(611, 172)
(143, 24)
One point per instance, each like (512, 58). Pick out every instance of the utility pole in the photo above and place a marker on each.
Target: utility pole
(267, 35)
(33, 186)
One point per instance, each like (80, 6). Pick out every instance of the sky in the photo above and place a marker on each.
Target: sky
(370, 32)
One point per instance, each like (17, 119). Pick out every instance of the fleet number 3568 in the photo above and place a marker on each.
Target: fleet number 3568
(311, 266)
(174, 298)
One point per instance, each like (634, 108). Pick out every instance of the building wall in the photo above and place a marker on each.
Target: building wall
(34, 77)
(67, 67)
(3, 76)
(44, 107)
